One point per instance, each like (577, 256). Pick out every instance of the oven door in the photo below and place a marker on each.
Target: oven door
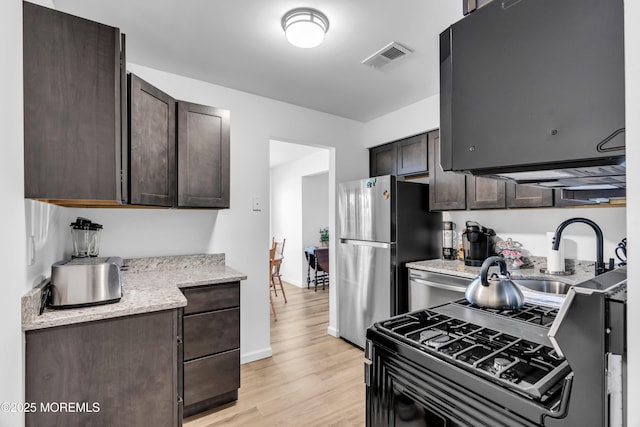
(401, 393)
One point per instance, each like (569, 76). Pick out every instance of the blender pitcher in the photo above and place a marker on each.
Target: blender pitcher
(94, 239)
(80, 237)
(86, 238)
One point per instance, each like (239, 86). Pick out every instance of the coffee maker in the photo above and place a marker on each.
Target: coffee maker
(478, 243)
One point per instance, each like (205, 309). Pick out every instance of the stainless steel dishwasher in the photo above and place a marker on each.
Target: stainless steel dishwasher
(428, 289)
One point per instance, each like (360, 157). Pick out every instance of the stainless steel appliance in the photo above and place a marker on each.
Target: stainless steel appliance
(428, 289)
(523, 58)
(449, 250)
(478, 243)
(85, 236)
(82, 282)
(495, 291)
(383, 224)
(460, 365)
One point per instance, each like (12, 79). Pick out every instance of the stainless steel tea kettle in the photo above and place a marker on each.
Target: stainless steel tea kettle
(497, 291)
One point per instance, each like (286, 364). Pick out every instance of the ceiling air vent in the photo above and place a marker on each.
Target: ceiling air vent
(384, 56)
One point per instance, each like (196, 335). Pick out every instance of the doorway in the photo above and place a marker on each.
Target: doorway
(299, 205)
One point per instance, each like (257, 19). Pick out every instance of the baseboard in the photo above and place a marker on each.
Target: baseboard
(333, 332)
(255, 355)
(291, 281)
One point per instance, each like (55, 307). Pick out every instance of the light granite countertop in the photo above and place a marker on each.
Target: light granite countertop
(583, 270)
(149, 284)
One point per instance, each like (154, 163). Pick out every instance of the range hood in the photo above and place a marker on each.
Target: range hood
(532, 91)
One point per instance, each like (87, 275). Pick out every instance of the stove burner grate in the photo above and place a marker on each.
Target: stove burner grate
(524, 366)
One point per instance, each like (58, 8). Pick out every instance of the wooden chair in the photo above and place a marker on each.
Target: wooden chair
(272, 253)
(276, 255)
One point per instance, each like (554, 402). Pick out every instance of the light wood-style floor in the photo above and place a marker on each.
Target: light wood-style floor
(312, 379)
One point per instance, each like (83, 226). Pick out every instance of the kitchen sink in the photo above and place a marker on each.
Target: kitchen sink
(543, 285)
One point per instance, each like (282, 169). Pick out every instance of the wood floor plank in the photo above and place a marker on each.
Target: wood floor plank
(312, 379)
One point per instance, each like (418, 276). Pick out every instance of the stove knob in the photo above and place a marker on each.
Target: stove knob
(499, 363)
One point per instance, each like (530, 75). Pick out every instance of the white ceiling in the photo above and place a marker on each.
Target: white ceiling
(240, 44)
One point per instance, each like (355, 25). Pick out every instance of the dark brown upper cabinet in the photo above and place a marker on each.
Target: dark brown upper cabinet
(528, 196)
(383, 160)
(404, 157)
(152, 145)
(179, 151)
(446, 189)
(486, 193)
(412, 155)
(457, 191)
(203, 156)
(74, 92)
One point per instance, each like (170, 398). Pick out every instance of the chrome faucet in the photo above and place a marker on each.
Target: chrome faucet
(600, 265)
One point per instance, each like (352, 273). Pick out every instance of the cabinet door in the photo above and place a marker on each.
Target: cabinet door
(485, 193)
(412, 155)
(152, 145)
(127, 365)
(203, 156)
(528, 196)
(72, 95)
(210, 333)
(210, 376)
(212, 297)
(382, 160)
(446, 189)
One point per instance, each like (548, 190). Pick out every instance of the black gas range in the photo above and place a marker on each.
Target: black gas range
(460, 365)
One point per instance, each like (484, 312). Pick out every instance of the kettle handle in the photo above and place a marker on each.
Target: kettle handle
(484, 270)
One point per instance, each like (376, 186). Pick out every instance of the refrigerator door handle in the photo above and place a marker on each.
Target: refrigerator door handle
(383, 245)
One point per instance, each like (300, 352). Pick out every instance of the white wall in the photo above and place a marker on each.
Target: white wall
(315, 212)
(287, 209)
(240, 232)
(529, 227)
(12, 248)
(632, 98)
(413, 119)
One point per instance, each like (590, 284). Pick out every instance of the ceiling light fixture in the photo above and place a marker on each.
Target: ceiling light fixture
(305, 27)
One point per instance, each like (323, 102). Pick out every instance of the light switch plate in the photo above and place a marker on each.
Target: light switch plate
(257, 204)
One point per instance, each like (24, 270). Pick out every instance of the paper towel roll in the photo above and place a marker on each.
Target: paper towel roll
(555, 259)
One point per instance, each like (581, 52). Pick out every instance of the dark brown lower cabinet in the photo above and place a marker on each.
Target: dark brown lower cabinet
(211, 381)
(115, 372)
(211, 331)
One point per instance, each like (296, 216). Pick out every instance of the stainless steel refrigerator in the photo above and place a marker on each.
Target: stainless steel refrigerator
(383, 224)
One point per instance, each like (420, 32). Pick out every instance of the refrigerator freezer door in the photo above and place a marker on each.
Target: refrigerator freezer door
(364, 209)
(366, 278)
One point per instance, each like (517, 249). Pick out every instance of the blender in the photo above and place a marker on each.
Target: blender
(448, 237)
(85, 236)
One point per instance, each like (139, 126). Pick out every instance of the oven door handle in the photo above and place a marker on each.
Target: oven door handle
(438, 285)
(564, 401)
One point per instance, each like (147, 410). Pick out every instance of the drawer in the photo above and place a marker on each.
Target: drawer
(212, 297)
(212, 332)
(211, 376)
